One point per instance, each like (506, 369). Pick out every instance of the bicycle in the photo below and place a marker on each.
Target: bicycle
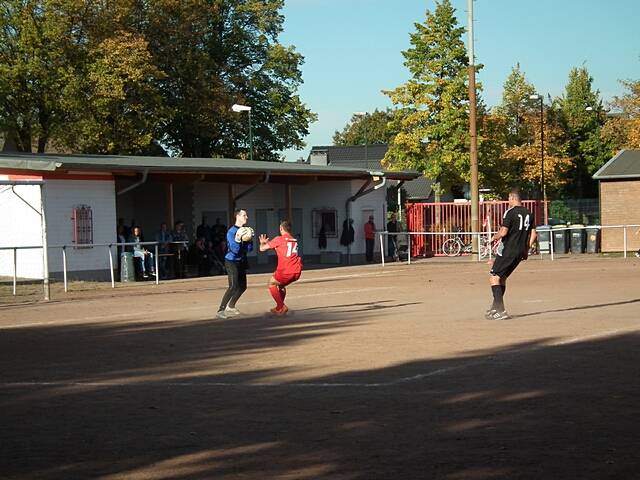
(452, 247)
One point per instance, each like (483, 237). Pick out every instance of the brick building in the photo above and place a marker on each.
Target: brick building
(620, 200)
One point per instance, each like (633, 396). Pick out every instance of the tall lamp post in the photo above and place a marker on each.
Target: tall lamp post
(543, 189)
(244, 108)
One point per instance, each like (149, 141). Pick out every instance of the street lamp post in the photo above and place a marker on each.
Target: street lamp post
(543, 189)
(244, 108)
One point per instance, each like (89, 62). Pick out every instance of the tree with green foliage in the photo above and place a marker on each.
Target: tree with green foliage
(370, 128)
(511, 147)
(432, 118)
(215, 54)
(577, 113)
(33, 68)
(74, 74)
(123, 76)
(516, 105)
(622, 130)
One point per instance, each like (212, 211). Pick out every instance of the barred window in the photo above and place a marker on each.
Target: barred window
(327, 218)
(82, 223)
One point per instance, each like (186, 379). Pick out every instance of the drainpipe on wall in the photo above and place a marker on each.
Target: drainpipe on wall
(361, 193)
(145, 174)
(250, 189)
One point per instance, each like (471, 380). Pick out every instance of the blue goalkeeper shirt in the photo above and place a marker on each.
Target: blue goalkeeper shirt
(236, 251)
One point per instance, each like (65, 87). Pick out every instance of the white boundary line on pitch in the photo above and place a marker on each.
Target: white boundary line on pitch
(207, 307)
(420, 376)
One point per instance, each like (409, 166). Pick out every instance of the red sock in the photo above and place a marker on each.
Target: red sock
(275, 293)
(283, 293)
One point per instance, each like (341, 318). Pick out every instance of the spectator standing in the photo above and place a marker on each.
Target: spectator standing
(180, 240)
(392, 243)
(164, 238)
(204, 230)
(370, 238)
(203, 261)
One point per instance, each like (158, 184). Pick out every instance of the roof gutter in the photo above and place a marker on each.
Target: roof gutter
(145, 174)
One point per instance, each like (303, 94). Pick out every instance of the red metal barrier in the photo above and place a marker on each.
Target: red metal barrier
(450, 216)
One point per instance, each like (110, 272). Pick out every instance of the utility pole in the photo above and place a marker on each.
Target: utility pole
(473, 138)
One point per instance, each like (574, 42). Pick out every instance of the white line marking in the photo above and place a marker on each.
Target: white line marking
(211, 307)
(413, 378)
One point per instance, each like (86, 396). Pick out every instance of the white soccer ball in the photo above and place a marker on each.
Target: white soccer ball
(244, 234)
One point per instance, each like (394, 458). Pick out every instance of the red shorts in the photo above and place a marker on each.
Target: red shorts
(286, 278)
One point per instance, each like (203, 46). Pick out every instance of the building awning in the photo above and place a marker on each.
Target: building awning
(204, 169)
(624, 165)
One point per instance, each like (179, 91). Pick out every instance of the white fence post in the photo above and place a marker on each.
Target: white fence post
(409, 249)
(157, 269)
(15, 270)
(64, 268)
(624, 229)
(551, 242)
(382, 248)
(113, 283)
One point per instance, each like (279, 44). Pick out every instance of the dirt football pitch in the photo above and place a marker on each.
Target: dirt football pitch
(380, 373)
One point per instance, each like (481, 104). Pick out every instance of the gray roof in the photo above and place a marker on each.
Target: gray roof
(626, 164)
(169, 165)
(354, 156)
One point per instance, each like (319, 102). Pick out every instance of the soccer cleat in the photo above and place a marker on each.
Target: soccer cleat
(489, 313)
(500, 316)
(638, 254)
(221, 314)
(282, 311)
(275, 310)
(231, 311)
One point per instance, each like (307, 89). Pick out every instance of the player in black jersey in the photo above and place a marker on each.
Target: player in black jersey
(517, 236)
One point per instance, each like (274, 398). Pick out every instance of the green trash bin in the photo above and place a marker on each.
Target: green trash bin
(127, 269)
(578, 238)
(593, 238)
(560, 239)
(544, 238)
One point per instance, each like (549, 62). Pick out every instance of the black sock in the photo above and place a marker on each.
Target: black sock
(498, 303)
(504, 289)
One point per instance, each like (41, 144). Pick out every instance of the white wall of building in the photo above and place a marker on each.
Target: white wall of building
(20, 226)
(61, 196)
(318, 195)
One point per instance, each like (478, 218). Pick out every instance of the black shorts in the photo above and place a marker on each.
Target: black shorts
(504, 266)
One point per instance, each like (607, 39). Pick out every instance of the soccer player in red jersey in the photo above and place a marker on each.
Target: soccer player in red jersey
(289, 265)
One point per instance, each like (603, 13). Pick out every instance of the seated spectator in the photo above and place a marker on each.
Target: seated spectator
(204, 230)
(180, 244)
(219, 232)
(202, 259)
(164, 238)
(142, 253)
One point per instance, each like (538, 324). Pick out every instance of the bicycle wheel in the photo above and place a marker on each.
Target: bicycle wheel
(451, 247)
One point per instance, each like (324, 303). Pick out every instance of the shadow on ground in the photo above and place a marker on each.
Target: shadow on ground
(167, 400)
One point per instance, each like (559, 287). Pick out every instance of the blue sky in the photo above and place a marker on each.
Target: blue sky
(352, 49)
